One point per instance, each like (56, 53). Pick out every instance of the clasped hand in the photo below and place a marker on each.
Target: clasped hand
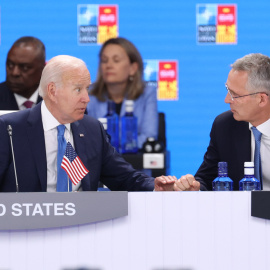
(171, 183)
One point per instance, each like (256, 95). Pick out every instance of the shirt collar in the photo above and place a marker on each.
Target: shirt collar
(264, 128)
(48, 120)
(20, 99)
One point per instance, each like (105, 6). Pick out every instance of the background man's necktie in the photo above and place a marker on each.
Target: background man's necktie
(257, 154)
(28, 104)
(62, 178)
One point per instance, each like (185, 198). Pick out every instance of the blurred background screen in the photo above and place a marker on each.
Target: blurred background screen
(187, 47)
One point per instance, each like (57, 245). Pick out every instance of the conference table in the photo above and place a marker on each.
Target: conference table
(160, 231)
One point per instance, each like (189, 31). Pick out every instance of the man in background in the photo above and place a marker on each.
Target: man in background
(24, 65)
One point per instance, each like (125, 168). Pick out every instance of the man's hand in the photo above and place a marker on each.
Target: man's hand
(165, 183)
(186, 182)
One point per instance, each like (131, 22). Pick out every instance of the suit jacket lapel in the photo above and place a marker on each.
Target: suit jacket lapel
(35, 134)
(243, 141)
(39, 99)
(12, 103)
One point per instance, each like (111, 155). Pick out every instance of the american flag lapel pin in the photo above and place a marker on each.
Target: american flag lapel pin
(81, 135)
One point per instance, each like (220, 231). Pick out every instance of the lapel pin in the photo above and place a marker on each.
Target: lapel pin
(81, 135)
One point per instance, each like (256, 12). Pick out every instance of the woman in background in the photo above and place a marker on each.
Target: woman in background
(120, 78)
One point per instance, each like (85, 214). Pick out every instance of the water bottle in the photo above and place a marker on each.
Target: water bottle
(129, 130)
(113, 124)
(222, 182)
(249, 182)
(103, 121)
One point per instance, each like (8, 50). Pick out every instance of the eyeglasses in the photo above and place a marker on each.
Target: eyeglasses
(235, 97)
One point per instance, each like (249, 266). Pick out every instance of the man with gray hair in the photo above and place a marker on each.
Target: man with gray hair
(42, 134)
(24, 64)
(232, 136)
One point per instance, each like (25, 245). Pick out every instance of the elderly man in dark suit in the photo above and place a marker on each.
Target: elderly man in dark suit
(60, 116)
(232, 135)
(24, 65)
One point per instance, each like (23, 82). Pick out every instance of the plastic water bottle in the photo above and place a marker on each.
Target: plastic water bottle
(129, 130)
(113, 124)
(103, 121)
(222, 182)
(249, 182)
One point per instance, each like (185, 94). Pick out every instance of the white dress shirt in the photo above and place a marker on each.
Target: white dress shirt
(51, 144)
(264, 128)
(20, 100)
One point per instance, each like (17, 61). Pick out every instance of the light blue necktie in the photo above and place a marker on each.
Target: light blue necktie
(62, 178)
(257, 156)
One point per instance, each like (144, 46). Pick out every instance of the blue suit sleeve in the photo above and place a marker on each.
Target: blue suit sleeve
(117, 174)
(208, 169)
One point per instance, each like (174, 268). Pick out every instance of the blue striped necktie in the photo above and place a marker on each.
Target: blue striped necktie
(257, 155)
(62, 178)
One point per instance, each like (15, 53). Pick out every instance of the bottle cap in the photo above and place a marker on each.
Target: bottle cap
(222, 164)
(222, 168)
(249, 164)
(103, 121)
(249, 168)
(129, 105)
(129, 102)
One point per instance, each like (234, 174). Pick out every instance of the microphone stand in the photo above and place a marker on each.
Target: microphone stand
(9, 129)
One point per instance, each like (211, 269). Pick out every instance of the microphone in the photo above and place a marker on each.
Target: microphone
(9, 129)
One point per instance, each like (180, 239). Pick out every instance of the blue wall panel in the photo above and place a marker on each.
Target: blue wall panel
(163, 30)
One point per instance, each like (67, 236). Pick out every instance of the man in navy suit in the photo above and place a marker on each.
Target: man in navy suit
(64, 87)
(24, 65)
(248, 90)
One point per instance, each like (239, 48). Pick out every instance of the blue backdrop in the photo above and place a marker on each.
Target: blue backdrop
(163, 30)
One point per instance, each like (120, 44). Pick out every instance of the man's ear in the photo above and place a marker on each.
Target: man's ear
(51, 91)
(264, 99)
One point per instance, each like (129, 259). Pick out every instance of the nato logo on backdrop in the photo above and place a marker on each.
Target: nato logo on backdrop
(96, 23)
(164, 76)
(216, 23)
